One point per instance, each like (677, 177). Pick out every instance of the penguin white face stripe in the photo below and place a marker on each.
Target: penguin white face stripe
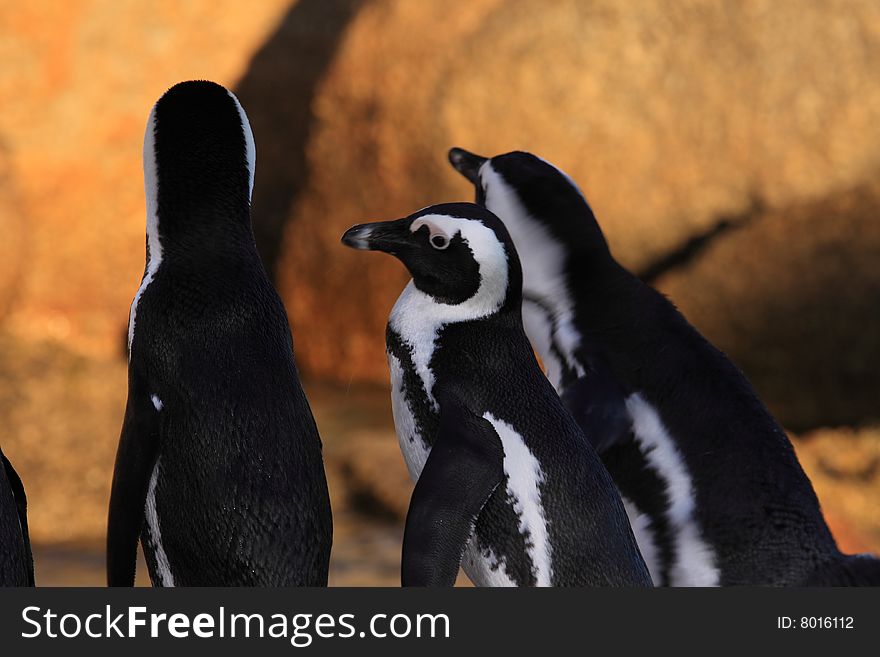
(163, 568)
(543, 260)
(250, 144)
(524, 480)
(490, 255)
(151, 190)
(695, 563)
(157, 403)
(418, 317)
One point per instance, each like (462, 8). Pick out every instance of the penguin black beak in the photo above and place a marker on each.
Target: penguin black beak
(466, 163)
(388, 236)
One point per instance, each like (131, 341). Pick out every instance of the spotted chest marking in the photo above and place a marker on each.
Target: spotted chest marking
(525, 479)
(484, 567)
(414, 447)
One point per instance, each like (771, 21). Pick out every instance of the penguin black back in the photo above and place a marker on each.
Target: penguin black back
(219, 458)
(716, 492)
(16, 560)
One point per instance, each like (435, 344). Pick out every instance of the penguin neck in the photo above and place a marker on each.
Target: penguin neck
(557, 312)
(419, 321)
(551, 265)
(204, 233)
(198, 210)
(418, 313)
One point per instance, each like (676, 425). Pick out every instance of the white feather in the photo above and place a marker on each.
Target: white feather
(695, 563)
(151, 190)
(163, 568)
(641, 526)
(524, 480)
(249, 144)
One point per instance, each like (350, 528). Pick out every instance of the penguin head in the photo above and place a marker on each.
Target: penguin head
(459, 254)
(199, 161)
(542, 207)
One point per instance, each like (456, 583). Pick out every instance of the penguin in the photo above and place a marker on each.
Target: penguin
(219, 469)
(506, 483)
(713, 488)
(16, 559)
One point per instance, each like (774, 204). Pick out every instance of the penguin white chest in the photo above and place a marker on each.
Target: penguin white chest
(481, 564)
(414, 448)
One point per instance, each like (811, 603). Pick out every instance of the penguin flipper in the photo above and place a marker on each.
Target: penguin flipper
(21, 505)
(597, 402)
(135, 460)
(465, 466)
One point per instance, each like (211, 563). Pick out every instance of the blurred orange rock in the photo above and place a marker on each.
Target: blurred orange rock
(12, 246)
(375, 473)
(668, 114)
(78, 82)
(844, 466)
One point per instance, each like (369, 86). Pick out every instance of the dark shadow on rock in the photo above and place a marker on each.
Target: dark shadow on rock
(793, 297)
(695, 245)
(277, 92)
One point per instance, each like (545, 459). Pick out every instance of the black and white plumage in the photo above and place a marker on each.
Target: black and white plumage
(219, 468)
(714, 490)
(506, 483)
(16, 560)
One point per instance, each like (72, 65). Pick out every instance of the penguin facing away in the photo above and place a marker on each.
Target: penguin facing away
(713, 488)
(16, 560)
(506, 483)
(219, 468)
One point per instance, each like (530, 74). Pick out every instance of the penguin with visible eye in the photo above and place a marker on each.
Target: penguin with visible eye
(714, 490)
(16, 560)
(219, 469)
(506, 484)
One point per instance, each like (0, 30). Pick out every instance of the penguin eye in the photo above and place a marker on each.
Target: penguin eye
(439, 242)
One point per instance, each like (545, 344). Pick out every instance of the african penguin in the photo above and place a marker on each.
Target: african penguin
(16, 561)
(714, 491)
(506, 483)
(219, 467)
